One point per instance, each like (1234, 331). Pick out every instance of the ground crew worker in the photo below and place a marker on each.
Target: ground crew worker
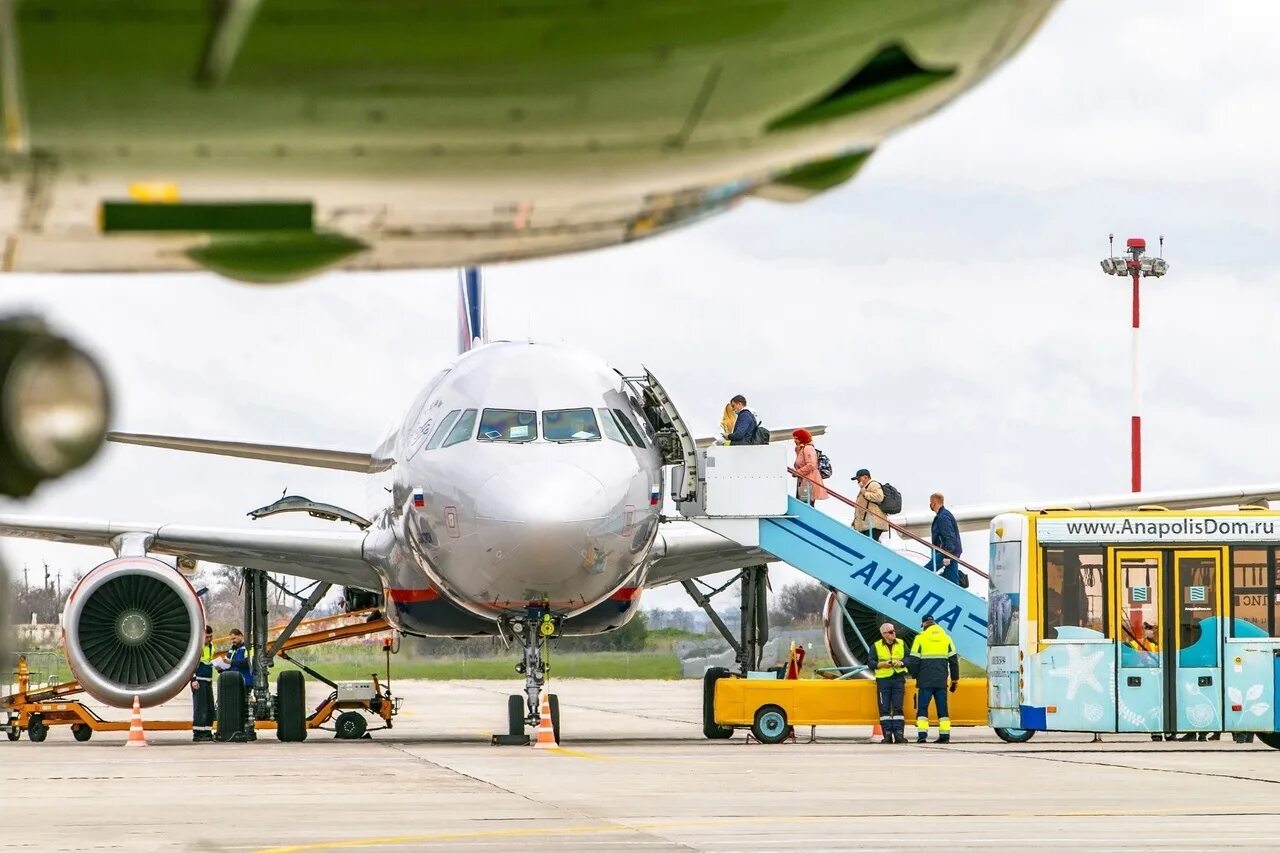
(238, 657)
(202, 692)
(933, 657)
(891, 683)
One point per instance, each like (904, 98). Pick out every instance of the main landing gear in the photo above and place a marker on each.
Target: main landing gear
(533, 631)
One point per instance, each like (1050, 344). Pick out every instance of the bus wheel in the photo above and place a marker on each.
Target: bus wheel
(1271, 739)
(1015, 735)
(771, 725)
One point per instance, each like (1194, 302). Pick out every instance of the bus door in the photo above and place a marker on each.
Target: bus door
(1170, 664)
(1140, 677)
(1195, 624)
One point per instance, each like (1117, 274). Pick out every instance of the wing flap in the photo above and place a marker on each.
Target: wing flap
(338, 460)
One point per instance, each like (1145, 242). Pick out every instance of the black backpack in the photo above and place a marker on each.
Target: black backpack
(892, 503)
(760, 436)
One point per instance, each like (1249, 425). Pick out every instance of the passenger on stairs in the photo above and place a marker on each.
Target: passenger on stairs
(944, 534)
(867, 518)
(809, 485)
(727, 421)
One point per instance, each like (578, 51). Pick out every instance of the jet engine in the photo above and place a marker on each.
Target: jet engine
(850, 628)
(133, 627)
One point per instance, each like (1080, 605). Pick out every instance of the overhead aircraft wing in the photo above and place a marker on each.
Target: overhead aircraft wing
(774, 435)
(335, 556)
(684, 551)
(979, 517)
(339, 460)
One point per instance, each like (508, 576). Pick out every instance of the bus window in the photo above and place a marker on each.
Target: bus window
(1253, 592)
(1139, 607)
(1075, 594)
(1197, 611)
(1003, 594)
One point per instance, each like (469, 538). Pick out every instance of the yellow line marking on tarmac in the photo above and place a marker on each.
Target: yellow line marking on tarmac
(617, 829)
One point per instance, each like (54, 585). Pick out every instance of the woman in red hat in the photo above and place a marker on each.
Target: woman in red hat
(809, 488)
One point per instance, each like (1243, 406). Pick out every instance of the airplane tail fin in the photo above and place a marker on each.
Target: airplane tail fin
(473, 315)
(338, 460)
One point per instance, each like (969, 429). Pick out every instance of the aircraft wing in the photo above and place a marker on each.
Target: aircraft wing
(979, 517)
(334, 556)
(685, 551)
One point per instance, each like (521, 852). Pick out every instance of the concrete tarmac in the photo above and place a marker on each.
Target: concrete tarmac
(634, 774)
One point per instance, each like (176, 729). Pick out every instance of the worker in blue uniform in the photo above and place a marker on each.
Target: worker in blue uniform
(202, 692)
(933, 657)
(238, 657)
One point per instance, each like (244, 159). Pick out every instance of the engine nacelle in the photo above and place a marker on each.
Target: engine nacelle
(847, 624)
(133, 627)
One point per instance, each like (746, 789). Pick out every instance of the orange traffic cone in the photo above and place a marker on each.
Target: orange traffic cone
(546, 734)
(137, 737)
(877, 734)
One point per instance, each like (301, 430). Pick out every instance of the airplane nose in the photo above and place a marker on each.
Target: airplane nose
(540, 493)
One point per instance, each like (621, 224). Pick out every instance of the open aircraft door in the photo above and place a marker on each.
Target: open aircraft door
(670, 435)
(1170, 677)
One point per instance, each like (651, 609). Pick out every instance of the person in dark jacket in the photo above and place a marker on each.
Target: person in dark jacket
(944, 534)
(238, 657)
(744, 428)
(933, 657)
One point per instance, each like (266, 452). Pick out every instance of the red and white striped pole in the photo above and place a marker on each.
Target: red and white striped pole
(1135, 422)
(1136, 265)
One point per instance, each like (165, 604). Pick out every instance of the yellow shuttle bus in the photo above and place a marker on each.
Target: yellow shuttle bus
(1138, 621)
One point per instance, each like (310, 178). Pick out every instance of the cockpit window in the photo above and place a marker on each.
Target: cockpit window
(442, 430)
(570, 425)
(629, 427)
(462, 429)
(508, 425)
(611, 429)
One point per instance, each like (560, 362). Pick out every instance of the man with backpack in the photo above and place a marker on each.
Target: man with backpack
(870, 495)
(746, 428)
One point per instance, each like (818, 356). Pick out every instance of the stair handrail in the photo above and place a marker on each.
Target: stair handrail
(907, 534)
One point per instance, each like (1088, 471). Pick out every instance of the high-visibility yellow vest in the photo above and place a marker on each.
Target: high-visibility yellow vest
(885, 652)
(933, 642)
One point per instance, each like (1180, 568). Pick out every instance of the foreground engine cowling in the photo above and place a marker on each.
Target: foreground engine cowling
(840, 615)
(133, 627)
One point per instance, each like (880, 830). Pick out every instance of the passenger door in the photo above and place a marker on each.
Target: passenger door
(1140, 676)
(1195, 653)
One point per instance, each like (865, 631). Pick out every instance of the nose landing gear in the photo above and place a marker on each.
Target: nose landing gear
(533, 631)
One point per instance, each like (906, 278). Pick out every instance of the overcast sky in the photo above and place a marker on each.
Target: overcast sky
(944, 313)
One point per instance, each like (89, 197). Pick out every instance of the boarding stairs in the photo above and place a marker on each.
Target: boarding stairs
(745, 495)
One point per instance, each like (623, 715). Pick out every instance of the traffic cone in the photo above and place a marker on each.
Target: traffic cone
(546, 734)
(877, 734)
(137, 737)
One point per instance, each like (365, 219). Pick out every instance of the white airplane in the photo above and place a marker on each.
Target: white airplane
(520, 496)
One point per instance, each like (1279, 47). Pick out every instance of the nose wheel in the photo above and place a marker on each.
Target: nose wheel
(533, 631)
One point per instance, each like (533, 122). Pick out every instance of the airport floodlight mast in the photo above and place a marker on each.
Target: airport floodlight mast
(1136, 265)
